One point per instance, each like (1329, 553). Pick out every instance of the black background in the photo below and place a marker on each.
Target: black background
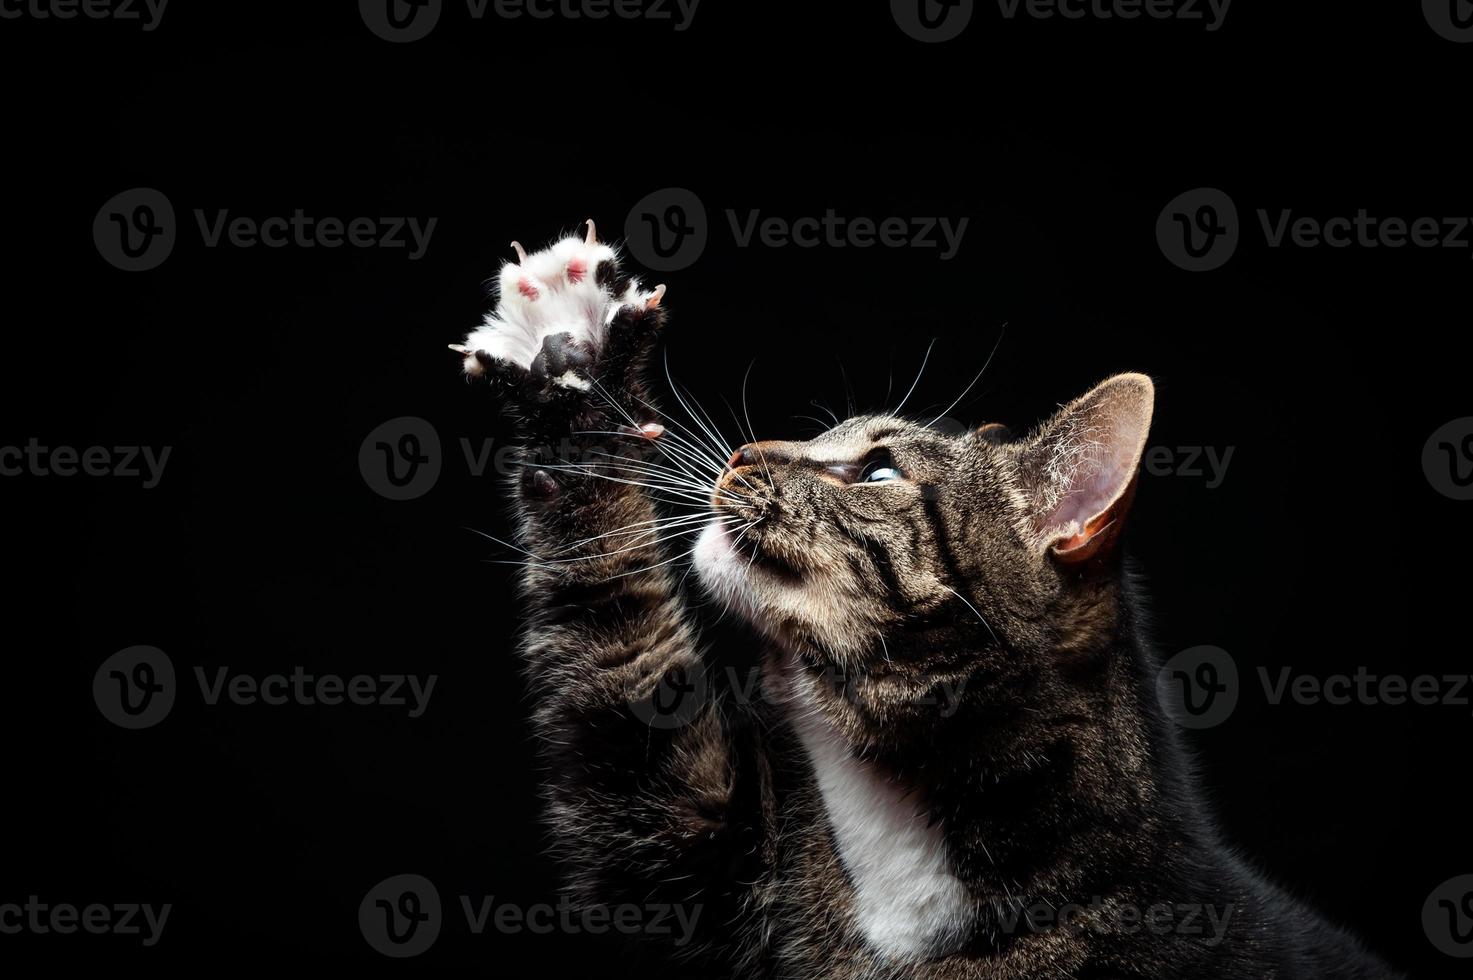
(263, 548)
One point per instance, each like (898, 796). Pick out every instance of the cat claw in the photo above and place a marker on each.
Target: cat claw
(480, 364)
(592, 237)
(521, 252)
(539, 484)
(655, 297)
(649, 430)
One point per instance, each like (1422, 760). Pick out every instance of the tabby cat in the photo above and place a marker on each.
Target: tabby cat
(939, 751)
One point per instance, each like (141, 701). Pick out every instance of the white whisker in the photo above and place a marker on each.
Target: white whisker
(968, 388)
(924, 361)
(824, 408)
(658, 524)
(974, 611)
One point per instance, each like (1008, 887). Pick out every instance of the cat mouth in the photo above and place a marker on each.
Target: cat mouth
(738, 570)
(749, 549)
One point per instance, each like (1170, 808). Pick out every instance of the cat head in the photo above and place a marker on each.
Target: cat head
(883, 546)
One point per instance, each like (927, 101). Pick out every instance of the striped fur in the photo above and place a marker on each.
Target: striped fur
(937, 713)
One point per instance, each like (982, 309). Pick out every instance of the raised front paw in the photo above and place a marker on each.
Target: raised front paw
(567, 326)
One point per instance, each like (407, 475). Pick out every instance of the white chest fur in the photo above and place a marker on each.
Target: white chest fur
(909, 905)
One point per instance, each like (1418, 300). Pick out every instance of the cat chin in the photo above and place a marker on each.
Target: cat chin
(733, 579)
(724, 573)
(766, 599)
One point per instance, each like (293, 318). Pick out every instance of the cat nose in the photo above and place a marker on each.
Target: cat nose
(753, 454)
(763, 454)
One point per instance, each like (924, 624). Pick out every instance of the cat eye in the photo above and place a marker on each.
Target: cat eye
(879, 470)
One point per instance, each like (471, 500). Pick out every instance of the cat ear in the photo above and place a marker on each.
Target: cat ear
(995, 433)
(1079, 469)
